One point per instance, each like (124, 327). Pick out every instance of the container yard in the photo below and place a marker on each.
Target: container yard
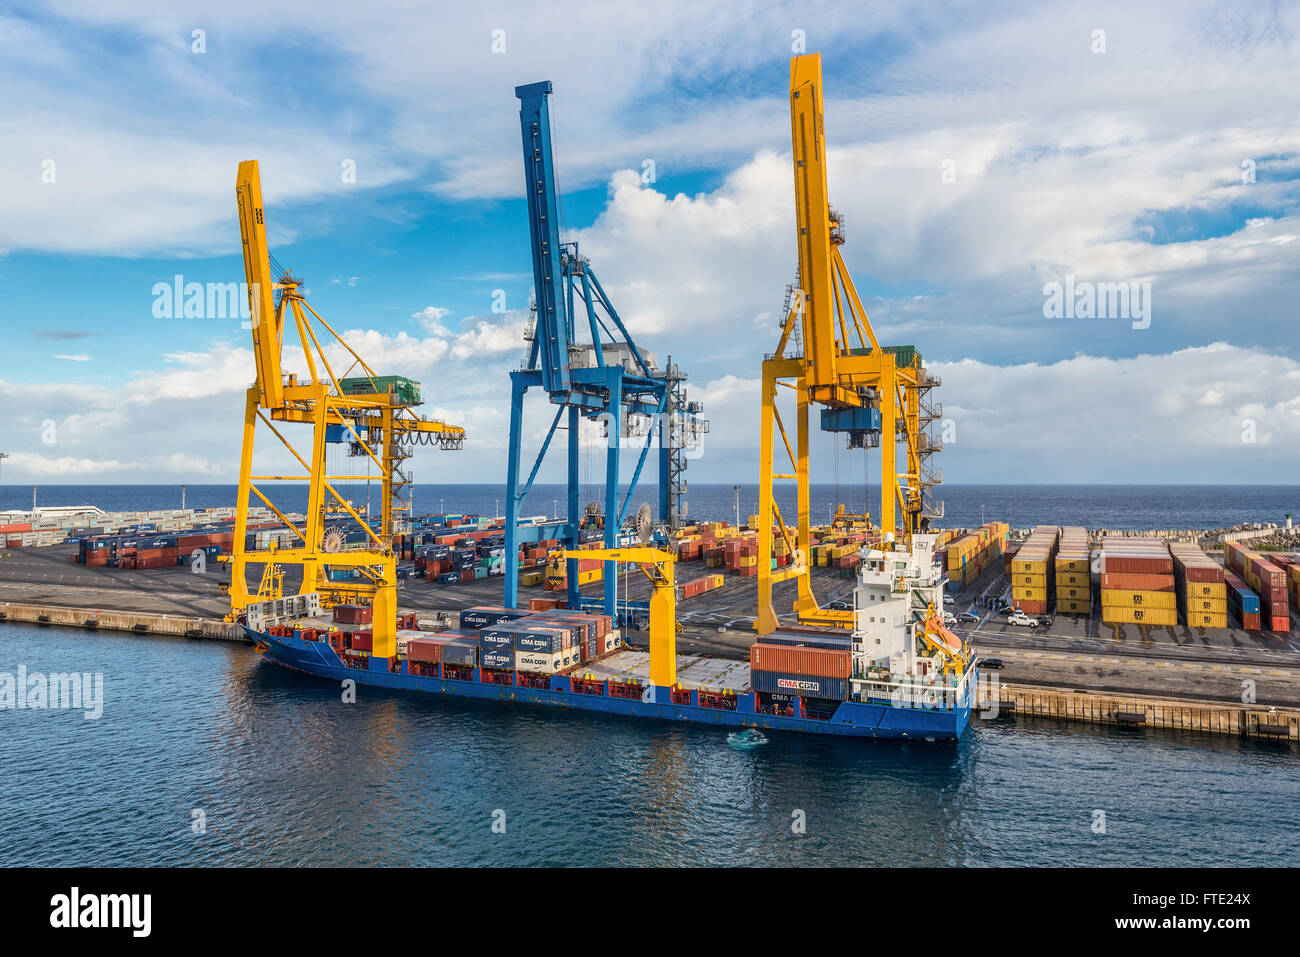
(869, 626)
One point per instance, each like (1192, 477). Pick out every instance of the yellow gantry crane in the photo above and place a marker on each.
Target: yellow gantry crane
(874, 394)
(372, 414)
(657, 565)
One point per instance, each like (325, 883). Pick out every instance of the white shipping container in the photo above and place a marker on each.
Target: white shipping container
(536, 661)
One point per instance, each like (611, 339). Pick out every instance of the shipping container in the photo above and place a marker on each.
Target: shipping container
(808, 686)
(804, 660)
(353, 614)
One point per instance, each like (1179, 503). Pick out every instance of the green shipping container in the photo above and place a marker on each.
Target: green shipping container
(406, 390)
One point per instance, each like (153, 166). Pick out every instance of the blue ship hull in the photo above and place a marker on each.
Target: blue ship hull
(851, 718)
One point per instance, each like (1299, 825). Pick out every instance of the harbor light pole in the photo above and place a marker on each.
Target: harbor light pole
(33, 499)
(3, 456)
(736, 489)
(183, 488)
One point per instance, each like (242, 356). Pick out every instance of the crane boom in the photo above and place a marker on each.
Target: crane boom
(813, 220)
(554, 334)
(264, 318)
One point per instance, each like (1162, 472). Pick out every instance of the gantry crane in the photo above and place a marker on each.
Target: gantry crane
(608, 378)
(372, 414)
(875, 394)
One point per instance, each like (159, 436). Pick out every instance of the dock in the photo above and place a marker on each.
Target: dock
(1141, 711)
(141, 623)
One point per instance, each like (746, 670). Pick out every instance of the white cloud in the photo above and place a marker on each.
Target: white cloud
(430, 317)
(1162, 417)
(79, 357)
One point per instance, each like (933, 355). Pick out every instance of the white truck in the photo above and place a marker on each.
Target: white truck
(1020, 618)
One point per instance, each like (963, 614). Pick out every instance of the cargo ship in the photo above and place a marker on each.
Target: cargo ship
(900, 673)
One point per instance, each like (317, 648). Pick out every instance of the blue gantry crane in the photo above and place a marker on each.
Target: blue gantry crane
(607, 378)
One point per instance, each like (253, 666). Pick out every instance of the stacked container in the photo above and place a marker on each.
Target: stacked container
(1033, 571)
(803, 670)
(970, 554)
(1268, 581)
(699, 586)
(1073, 573)
(1243, 602)
(1201, 590)
(1137, 582)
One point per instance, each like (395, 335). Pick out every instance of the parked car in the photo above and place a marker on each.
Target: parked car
(947, 600)
(968, 616)
(1020, 618)
(839, 605)
(949, 618)
(992, 664)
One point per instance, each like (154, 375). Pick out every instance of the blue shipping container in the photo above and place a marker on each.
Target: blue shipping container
(497, 659)
(775, 682)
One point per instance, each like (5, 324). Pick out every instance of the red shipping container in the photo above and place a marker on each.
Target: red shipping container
(797, 660)
(1135, 563)
(1135, 581)
(427, 650)
(353, 614)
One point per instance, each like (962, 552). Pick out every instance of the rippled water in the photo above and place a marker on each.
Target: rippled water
(286, 773)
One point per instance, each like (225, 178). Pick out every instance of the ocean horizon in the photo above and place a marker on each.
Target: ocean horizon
(1134, 506)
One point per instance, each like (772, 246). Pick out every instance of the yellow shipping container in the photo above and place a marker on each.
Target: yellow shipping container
(1029, 566)
(1138, 599)
(1032, 580)
(1029, 592)
(1073, 607)
(1208, 606)
(1204, 620)
(1127, 614)
(1207, 590)
(1073, 594)
(1076, 579)
(530, 578)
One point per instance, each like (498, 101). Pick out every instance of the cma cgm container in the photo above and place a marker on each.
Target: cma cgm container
(482, 616)
(498, 659)
(808, 686)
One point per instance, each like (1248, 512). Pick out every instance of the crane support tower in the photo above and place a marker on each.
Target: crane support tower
(878, 396)
(372, 414)
(608, 379)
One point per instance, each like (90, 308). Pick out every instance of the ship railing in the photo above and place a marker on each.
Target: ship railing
(918, 693)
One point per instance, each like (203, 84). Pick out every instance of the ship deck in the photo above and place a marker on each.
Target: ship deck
(696, 674)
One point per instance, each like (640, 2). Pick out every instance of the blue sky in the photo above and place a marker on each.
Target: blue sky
(1170, 157)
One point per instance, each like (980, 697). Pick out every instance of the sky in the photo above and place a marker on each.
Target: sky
(979, 154)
